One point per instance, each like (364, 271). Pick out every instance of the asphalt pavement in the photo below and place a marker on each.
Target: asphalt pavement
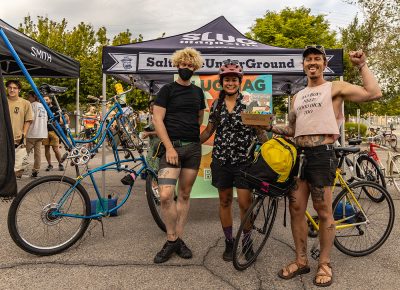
(123, 258)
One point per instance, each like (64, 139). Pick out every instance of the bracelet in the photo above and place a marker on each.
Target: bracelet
(361, 66)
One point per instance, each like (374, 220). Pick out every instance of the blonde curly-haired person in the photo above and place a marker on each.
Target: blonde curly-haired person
(178, 113)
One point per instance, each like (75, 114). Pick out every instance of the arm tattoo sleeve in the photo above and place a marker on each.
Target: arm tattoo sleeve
(287, 130)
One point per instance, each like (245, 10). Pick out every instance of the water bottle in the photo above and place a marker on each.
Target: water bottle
(119, 89)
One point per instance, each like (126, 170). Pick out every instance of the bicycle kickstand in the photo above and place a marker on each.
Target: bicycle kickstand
(100, 220)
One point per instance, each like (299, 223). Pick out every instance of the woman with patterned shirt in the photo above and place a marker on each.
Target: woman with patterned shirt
(232, 140)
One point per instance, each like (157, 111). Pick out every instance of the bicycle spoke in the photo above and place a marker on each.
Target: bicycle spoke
(366, 238)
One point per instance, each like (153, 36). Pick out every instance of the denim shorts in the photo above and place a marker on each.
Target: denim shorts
(189, 156)
(228, 175)
(320, 165)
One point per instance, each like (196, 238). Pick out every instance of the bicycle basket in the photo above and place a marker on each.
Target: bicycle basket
(268, 188)
(128, 135)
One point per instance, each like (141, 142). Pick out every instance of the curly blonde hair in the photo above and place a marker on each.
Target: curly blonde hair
(189, 55)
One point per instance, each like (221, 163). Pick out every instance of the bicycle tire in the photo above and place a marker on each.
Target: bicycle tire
(245, 240)
(394, 171)
(366, 232)
(153, 199)
(393, 141)
(369, 170)
(48, 225)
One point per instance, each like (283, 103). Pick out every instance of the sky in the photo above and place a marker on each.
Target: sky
(152, 18)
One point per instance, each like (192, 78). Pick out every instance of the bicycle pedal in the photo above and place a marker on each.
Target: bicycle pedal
(315, 254)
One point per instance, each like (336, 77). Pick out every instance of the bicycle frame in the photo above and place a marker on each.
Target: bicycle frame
(116, 165)
(339, 223)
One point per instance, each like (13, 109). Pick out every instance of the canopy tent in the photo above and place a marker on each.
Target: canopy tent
(39, 60)
(148, 62)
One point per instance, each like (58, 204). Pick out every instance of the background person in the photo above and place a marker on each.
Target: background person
(229, 156)
(150, 132)
(178, 113)
(20, 114)
(314, 120)
(37, 131)
(52, 138)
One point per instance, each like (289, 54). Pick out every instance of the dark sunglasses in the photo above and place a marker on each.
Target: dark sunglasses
(230, 61)
(319, 47)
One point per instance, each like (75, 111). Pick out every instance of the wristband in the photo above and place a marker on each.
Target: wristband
(361, 66)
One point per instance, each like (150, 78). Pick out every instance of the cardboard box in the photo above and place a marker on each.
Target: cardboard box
(256, 119)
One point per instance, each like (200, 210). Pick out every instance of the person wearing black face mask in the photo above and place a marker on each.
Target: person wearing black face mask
(229, 156)
(177, 114)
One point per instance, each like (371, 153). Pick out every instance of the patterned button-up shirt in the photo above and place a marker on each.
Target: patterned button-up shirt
(232, 137)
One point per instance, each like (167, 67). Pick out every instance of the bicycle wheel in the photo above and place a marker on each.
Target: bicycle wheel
(31, 223)
(393, 141)
(394, 171)
(369, 170)
(153, 200)
(379, 140)
(375, 219)
(254, 231)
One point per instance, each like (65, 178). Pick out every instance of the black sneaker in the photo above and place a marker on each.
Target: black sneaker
(247, 250)
(49, 167)
(34, 174)
(166, 252)
(228, 253)
(60, 167)
(183, 251)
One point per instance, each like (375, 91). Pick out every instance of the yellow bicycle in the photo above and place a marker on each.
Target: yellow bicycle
(362, 223)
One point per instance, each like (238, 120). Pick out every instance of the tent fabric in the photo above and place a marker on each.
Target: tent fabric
(149, 61)
(8, 183)
(39, 60)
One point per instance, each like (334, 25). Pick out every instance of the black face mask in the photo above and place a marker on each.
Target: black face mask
(185, 73)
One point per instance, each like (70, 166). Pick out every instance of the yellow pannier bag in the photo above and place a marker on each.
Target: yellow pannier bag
(275, 161)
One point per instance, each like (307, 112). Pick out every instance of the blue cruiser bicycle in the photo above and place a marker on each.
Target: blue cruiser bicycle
(52, 213)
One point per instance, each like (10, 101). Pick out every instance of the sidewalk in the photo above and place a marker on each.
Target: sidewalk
(123, 259)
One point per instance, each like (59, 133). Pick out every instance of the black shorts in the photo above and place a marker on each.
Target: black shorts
(320, 166)
(228, 175)
(189, 156)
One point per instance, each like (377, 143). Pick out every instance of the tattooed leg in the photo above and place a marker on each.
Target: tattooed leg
(322, 201)
(297, 205)
(167, 178)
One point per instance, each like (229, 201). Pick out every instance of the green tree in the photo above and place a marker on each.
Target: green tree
(292, 28)
(84, 44)
(378, 36)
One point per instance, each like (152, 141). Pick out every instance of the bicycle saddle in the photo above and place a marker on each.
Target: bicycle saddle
(355, 141)
(52, 89)
(347, 150)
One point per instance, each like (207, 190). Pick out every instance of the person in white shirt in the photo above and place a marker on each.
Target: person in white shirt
(37, 131)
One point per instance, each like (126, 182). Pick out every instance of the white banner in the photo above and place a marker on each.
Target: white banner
(161, 62)
(279, 63)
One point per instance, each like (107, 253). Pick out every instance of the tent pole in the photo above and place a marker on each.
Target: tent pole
(342, 137)
(77, 127)
(103, 151)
